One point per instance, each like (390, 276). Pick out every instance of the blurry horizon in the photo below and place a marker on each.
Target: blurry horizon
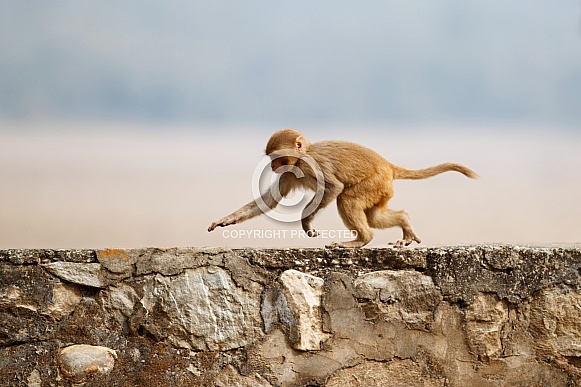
(139, 123)
(110, 188)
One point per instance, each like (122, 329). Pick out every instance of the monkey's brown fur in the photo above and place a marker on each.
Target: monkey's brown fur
(359, 178)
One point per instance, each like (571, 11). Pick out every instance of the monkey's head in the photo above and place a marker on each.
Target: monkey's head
(285, 148)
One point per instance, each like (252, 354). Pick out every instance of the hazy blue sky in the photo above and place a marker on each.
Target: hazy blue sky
(288, 63)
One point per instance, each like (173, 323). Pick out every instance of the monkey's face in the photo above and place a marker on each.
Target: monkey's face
(280, 164)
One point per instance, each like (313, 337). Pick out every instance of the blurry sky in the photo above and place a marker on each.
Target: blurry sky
(292, 62)
(138, 123)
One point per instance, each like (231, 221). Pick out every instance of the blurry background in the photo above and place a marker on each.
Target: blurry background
(139, 123)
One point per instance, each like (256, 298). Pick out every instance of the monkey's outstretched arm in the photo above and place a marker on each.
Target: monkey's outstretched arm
(244, 213)
(252, 209)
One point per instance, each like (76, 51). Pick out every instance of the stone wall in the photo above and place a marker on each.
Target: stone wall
(450, 316)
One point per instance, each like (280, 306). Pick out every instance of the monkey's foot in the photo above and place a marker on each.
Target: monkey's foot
(405, 242)
(312, 233)
(409, 236)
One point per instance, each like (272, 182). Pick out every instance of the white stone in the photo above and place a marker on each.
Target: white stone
(303, 294)
(79, 362)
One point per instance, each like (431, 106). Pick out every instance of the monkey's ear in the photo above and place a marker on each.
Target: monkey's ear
(300, 144)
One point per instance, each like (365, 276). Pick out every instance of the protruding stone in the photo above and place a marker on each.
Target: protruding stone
(80, 362)
(87, 274)
(303, 294)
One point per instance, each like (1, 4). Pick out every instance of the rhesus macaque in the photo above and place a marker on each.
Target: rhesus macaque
(359, 178)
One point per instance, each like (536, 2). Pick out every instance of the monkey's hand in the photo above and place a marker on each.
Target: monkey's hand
(226, 221)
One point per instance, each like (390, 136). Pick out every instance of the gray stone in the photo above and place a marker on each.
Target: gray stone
(250, 278)
(120, 301)
(87, 274)
(514, 273)
(201, 309)
(119, 261)
(175, 260)
(26, 302)
(314, 258)
(170, 261)
(276, 313)
(29, 256)
(367, 333)
(403, 295)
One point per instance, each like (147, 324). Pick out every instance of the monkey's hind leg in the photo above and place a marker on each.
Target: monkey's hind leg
(384, 218)
(356, 220)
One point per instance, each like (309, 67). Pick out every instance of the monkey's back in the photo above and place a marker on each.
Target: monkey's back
(350, 163)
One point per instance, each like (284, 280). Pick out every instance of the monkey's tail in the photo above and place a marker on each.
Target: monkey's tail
(416, 174)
